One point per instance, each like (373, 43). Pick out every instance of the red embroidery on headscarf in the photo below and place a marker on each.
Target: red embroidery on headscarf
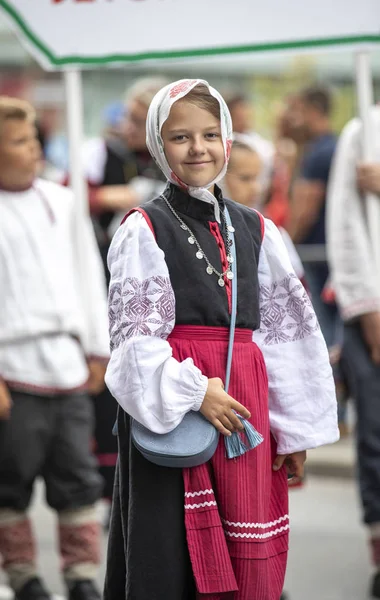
(181, 87)
(228, 148)
(178, 180)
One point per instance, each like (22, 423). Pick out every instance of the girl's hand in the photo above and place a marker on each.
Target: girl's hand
(218, 408)
(294, 464)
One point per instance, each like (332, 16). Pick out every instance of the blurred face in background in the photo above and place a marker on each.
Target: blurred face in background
(293, 120)
(20, 153)
(242, 177)
(241, 115)
(134, 126)
(306, 118)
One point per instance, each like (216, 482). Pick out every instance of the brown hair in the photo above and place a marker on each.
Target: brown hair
(201, 97)
(319, 97)
(238, 145)
(14, 108)
(233, 100)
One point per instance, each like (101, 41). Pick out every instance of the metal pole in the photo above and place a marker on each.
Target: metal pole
(364, 88)
(74, 107)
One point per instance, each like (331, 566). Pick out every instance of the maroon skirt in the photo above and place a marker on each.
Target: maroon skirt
(236, 511)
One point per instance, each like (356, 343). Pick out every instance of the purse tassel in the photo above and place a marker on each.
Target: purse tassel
(234, 444)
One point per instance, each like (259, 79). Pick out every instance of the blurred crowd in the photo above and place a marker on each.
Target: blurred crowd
(310, 182)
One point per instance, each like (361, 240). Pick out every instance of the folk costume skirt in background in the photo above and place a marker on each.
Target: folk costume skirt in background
(214, 532)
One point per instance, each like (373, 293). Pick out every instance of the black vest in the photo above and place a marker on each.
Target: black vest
(199, 298)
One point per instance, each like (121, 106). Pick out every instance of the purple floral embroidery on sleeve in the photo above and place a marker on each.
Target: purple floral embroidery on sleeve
(286, 312)
(140, 307)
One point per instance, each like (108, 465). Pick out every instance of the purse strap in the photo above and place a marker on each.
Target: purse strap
(234, 299)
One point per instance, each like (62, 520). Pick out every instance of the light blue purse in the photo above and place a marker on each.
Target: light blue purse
(194, 441)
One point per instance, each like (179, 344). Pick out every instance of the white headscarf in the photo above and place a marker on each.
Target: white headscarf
(158, 113)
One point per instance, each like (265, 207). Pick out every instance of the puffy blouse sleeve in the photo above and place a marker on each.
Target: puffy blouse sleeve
(302, 400)
(148, 383)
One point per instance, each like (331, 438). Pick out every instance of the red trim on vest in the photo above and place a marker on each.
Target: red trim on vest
(223, 256)
(262, 223)
(144, 214)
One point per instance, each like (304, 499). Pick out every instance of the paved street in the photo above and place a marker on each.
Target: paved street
(328, 558)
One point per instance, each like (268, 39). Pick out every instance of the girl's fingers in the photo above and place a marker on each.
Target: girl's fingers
(279, 461)
(235, 421)
(294, 480)
(294, 468)
(240, 409)
(225, 420)
(220, 427)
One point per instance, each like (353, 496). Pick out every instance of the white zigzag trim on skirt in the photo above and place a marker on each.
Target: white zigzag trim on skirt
(256, 536)
(257, 525)
(202, 505)
(201, 493)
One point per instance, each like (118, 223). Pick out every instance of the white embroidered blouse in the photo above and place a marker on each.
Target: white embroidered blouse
(53, 294)
(158, 391)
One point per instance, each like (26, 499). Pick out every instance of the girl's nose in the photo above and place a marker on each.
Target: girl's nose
(197, 146)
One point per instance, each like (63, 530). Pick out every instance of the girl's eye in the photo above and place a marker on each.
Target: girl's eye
(212, 135)
(179, 138)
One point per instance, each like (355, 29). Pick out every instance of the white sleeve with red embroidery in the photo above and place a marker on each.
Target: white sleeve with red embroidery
(148, 383)
(302, 401)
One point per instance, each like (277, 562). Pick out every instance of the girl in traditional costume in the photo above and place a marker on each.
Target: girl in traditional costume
(218, 531)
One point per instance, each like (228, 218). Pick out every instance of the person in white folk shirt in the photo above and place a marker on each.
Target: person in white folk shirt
(53, 351)
(356, 281)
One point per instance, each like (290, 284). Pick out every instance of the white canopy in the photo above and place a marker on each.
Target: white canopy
(72, 33)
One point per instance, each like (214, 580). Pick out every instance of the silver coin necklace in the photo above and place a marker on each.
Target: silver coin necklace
(200, 254)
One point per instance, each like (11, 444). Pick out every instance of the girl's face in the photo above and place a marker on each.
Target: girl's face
(242, 176)
(193, 144)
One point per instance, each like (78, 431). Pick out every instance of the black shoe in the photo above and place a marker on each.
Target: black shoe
(33, 590)
(84, 590)
(375, 586)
